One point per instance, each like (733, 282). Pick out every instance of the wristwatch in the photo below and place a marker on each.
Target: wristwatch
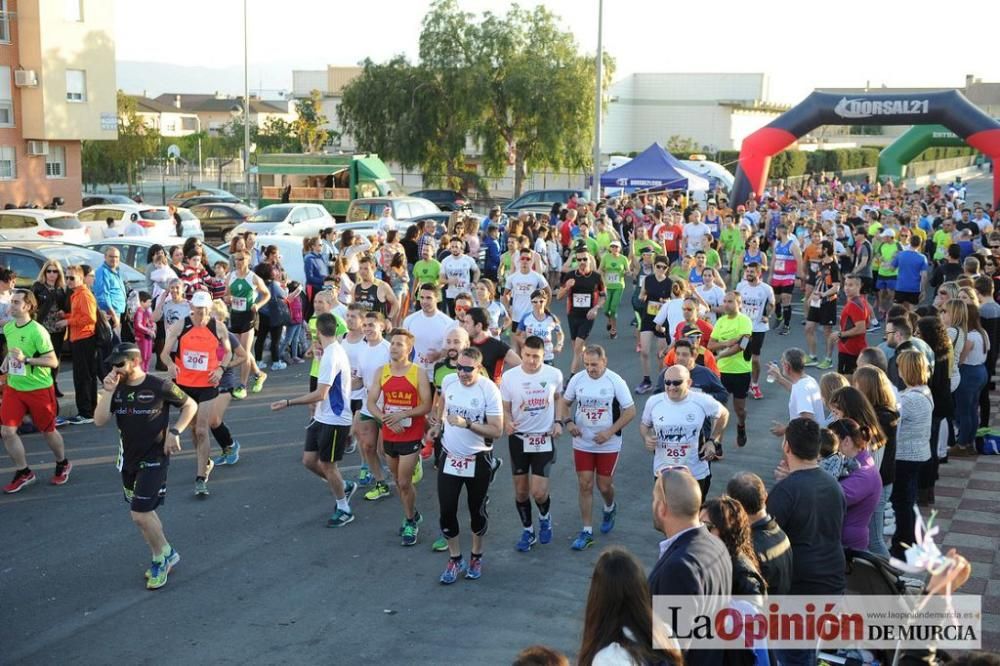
(175, 432)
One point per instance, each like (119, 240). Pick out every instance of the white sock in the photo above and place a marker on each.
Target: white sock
(609, 508)
(588, 529)
(343, 505)
(545, 517)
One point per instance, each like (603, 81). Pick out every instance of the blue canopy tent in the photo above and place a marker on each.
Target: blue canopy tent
(654, 169)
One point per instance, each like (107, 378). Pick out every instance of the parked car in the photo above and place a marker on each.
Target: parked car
(369, 230)
(302, 219)
(135, 248)
(42, 224)
(26, 258)
(440, 220)
(208, 198)
(105, 199)
(180, 197)
(156, 220)
(447, 200)
(403, 208)
(217, 218)
(290, 250)
(534, 198)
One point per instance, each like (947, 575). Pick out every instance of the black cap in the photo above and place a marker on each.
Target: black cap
(123, 351)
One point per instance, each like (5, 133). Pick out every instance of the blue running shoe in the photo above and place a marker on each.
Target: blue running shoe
(452, 571)
(233, 455)
(608, 520)
(365, 477)
(527, 541)
(340, 518)
(475, 568)
(584, 541)
(544, 530)
(350, 487)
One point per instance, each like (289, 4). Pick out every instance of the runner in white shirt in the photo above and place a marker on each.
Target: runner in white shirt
(604, 406)
(529, 394)
(673, 423)
(520, 285)
(695, 235)
(472, 416)
(757, 304)
(329, 430)
(711, 293)
(543, 324)
(429, 326)
(374, 355)
(458, 272)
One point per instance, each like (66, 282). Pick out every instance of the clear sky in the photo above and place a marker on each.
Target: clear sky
(800, 45)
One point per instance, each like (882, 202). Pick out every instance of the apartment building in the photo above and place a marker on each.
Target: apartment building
(57, 88)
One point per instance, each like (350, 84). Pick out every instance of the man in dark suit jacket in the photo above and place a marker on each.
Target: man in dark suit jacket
(692, 562)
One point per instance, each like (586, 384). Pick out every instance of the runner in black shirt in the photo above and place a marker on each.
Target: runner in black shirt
(654, 291)
(497, 354)
(584, 292)
(141, 405)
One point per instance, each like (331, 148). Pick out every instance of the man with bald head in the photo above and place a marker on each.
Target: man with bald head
(672, 427)
(693, 562)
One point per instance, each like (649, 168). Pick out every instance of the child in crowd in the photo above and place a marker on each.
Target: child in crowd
(217, 283)
(831, 460)
(145, 329)
(293, 332)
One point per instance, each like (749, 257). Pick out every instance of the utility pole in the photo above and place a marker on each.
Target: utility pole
(595, 188)
(246, 110)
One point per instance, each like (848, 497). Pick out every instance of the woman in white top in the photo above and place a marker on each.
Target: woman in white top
(618, 627)
(971, 346)
(913, 443)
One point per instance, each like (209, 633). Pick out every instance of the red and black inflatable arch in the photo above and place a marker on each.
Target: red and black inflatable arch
(949, 108)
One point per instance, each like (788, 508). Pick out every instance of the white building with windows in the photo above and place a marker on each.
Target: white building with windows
(715, 110)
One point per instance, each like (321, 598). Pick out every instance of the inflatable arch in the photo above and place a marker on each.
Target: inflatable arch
(893, 159)
(948, 108)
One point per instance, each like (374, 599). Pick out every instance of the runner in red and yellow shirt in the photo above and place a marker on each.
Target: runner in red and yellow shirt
(400, 399)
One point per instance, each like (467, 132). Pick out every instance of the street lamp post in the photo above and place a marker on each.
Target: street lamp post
(595, 188)
(246, 110)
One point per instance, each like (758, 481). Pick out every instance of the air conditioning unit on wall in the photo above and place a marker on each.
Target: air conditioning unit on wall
(38, 147)
(25, 78)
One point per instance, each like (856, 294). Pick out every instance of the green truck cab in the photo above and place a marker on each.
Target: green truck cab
(332, 181)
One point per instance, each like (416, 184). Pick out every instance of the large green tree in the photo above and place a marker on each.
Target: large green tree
(105, 162)
(515, 84)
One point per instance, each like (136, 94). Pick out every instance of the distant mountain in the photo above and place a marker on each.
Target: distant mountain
(266, 79)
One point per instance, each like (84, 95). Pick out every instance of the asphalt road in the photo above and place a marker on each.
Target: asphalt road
(262, 580)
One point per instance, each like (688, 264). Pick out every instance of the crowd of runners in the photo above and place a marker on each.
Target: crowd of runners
(431, 347)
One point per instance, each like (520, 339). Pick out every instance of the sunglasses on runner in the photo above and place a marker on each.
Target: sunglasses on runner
(465, 368)
(673, 382)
